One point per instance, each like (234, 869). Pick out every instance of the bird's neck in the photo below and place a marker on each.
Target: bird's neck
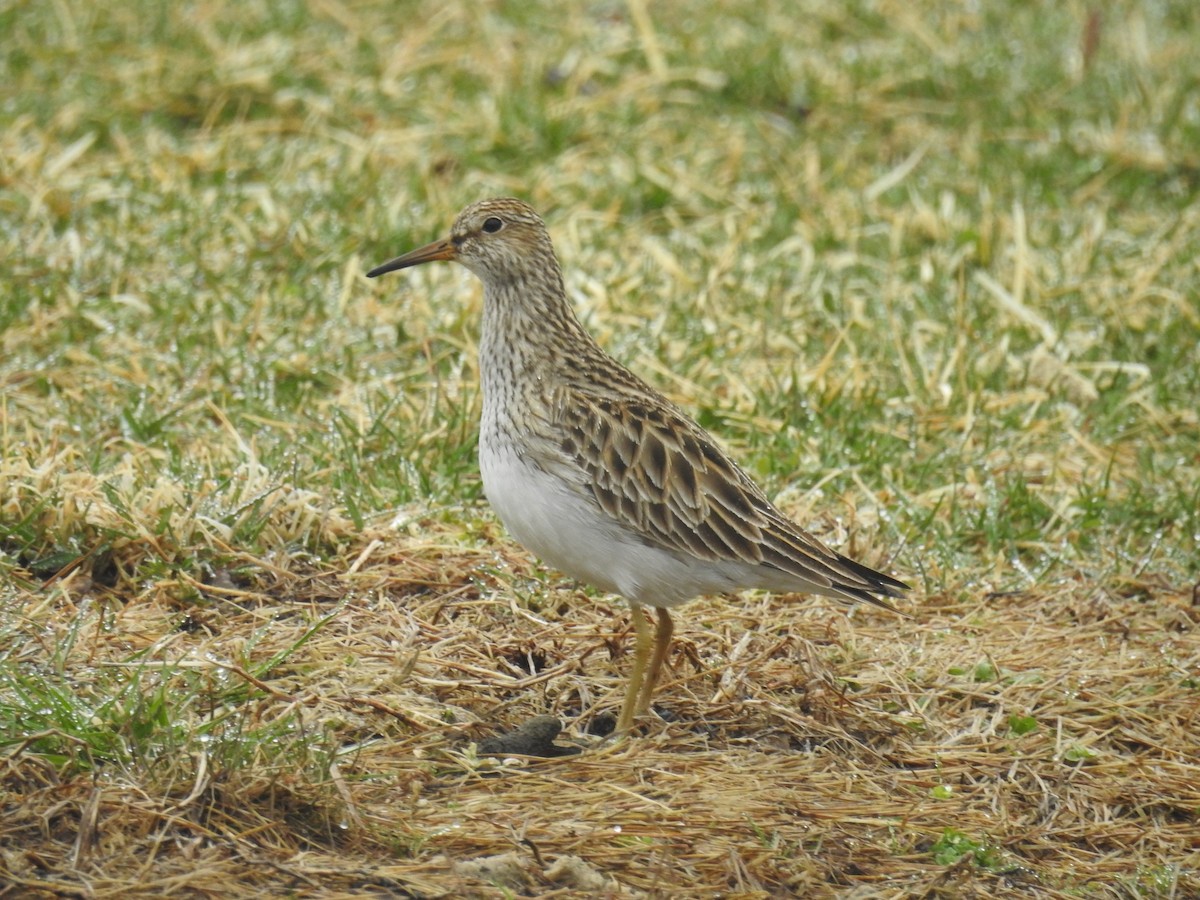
(529, 328)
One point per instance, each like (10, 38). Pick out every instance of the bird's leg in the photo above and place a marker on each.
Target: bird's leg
(662, 642)
(641, 649)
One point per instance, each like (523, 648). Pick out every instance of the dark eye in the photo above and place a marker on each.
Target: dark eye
(492, 224)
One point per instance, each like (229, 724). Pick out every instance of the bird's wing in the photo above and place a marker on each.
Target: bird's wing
(657, 472)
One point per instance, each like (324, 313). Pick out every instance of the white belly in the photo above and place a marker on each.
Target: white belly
(568, 530)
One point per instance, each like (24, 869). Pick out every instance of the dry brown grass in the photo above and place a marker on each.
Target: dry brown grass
(807, 753)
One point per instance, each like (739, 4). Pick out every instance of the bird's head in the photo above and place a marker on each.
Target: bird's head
(499, 240)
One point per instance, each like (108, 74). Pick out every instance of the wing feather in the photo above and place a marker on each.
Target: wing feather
(653, 469)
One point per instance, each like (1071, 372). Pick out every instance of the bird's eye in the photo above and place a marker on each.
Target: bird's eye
(492, 224)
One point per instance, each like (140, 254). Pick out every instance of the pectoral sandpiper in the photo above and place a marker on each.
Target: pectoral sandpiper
(600, 475)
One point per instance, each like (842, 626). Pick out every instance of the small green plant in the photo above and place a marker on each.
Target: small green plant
(1078, 753)
(1155, 881)
(985, 672)
(1020, 725)
(953, 845)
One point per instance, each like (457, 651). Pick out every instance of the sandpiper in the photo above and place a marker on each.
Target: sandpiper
(599, 474)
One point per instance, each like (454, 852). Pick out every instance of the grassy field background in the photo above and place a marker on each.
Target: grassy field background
(929, 270)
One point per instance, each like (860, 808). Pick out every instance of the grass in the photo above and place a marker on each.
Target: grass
(930, 272)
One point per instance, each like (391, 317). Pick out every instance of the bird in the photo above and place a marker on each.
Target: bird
(600, 475)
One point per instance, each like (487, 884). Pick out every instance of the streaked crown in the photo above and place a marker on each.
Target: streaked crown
(502, 240)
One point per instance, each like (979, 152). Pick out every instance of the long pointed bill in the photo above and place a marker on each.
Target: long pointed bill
(443, 249)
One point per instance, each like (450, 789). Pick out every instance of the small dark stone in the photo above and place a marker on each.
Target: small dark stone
(602, 725)
(534, 738)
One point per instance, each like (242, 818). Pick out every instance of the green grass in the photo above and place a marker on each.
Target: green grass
(930, 272)
(143, 715)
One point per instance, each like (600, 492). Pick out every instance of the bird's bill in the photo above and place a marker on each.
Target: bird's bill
(443, 249)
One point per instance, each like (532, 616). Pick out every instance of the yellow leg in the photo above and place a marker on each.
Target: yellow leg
(640, 650)
(662, 642)
(642, 679)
